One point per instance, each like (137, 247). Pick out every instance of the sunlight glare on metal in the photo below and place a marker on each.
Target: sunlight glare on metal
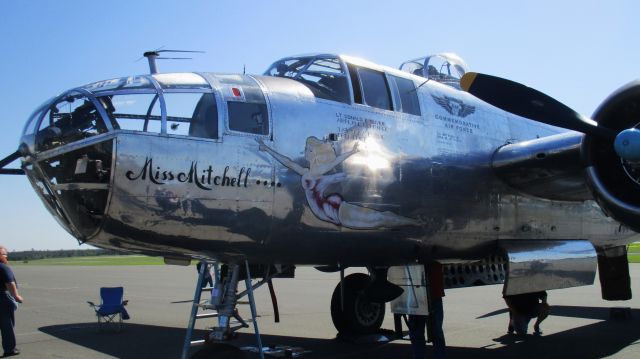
(371, 154)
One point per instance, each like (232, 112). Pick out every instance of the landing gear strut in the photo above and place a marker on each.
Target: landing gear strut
(353, 312)
(224, 300)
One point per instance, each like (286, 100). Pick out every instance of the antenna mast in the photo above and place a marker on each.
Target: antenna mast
(151, 57)
(154, 55)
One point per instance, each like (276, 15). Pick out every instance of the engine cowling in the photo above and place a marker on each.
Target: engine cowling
(615, 182)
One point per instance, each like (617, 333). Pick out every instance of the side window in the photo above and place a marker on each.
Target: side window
(133, 111)
(246, 104)
(355, 83)
(248, 117)
(188, 114)
(204, 122)
(374, 89)
(405, 95)
(192, 114)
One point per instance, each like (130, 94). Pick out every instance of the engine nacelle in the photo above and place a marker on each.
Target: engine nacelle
(615, 182)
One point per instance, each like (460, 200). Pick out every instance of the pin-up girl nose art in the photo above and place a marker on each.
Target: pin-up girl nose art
(332, 207)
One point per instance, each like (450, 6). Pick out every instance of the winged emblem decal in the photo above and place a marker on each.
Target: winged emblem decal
(454, 106)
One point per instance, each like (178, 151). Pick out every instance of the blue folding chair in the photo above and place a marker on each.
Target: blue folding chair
(111, 307)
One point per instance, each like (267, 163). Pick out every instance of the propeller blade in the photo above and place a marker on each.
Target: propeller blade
(532, 104)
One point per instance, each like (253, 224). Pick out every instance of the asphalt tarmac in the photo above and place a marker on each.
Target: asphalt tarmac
(55, 320)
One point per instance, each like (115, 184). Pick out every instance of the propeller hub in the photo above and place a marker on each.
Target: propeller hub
(627, 144)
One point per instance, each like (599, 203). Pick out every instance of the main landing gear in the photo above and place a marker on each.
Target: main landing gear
(358, 302)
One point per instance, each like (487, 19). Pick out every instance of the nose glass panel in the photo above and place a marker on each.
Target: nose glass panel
(76, 183)
(69, 119)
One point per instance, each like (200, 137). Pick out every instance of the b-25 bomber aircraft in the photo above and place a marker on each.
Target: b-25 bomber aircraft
(335, 162)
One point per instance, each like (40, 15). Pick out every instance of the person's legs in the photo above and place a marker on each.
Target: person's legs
(417, 326)
(520, 323)
(543, 313)
(510, 329)
(439, 344)
(7, 323)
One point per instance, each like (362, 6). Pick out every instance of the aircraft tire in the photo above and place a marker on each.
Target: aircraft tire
(360, 316)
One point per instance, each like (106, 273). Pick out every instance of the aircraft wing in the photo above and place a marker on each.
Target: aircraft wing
(548, 167)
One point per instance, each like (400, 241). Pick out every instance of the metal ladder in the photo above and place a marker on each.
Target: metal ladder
(215, 275)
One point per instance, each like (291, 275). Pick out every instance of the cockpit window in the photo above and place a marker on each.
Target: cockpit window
(290, 68)
(71, 118)
(192, 114)
(405, 95)
(324, 76)
(246, 104)
(131, 111)
(414, 67)
(446, 68)
(374, 88)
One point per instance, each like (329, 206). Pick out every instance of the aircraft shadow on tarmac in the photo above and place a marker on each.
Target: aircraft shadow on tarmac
(597, 340)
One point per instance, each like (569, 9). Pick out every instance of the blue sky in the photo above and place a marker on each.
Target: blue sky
(576, 51)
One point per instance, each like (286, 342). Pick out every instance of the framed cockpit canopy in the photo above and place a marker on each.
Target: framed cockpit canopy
(325, 75)
(446, 68)
(350, 80)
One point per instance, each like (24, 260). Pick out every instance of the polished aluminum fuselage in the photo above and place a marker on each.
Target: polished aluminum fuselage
(225, 198)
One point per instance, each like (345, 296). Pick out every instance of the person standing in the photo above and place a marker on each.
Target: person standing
(417, 323)
(208, 281)
(8, 305)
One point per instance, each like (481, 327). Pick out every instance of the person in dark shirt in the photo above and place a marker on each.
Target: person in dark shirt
(523, 308)
(8, 305)
(417, 323)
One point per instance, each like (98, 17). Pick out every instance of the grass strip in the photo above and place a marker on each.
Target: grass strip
(125, 260)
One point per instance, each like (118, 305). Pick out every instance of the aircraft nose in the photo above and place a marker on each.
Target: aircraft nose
(67, 154)
(74, 186)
